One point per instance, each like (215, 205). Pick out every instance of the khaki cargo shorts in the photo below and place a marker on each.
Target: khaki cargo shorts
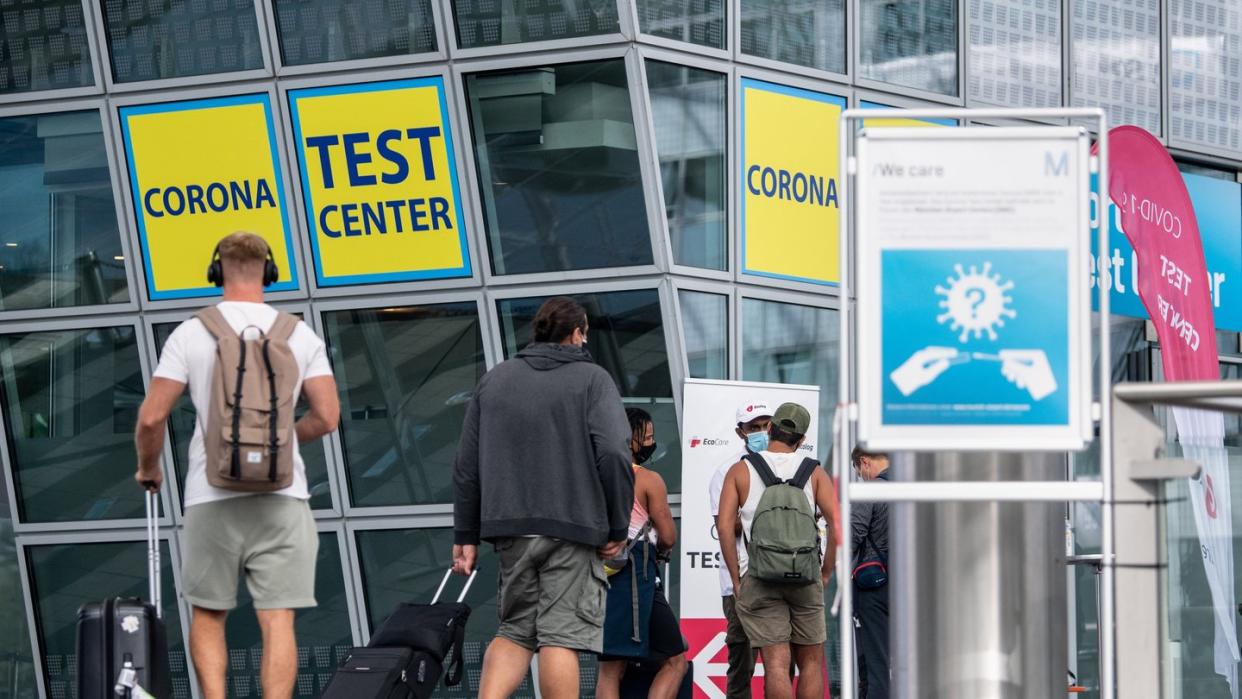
(773, 614)
(271, 540)
(552, 593)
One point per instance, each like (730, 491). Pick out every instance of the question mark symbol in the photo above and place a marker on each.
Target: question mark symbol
(975, 297)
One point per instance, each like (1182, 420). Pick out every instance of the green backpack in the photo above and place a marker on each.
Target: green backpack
(784, 538)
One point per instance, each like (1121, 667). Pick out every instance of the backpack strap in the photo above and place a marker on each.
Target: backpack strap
(283, 327)
(273, 447)
(763, 469)
(214, 321)
(803, 475)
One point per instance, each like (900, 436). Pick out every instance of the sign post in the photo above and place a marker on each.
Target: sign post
(970, 245)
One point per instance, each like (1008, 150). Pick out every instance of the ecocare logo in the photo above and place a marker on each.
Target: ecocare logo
(708, 442)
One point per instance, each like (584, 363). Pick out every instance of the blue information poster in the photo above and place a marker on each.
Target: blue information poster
(973, 309)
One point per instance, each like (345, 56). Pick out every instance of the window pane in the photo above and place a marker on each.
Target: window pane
(44, 44)
(496, 22)
(1015, 52)
(1206, 72)
(63, 577)
(319, 31)
(70, 401)
(558, 160)
(152, 40)
(912, 43)
(405, 376)
(407, 565)
(61, 244)
(705, 326)
(627, 340)
(16, 662)
(807, 33)
(699, 22)
(1115, 58)
(323, 632)
(690, 108)
(181, 430)
(786, 343)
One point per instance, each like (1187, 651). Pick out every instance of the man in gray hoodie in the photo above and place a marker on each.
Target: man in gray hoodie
(544, 473)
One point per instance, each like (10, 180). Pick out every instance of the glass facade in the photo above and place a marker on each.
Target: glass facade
(44, 46)
(592, 146)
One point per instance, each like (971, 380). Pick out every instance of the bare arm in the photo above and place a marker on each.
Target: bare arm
(162, 395)
(727, 520)
(659, 512)
(827, 504)
(325, 409)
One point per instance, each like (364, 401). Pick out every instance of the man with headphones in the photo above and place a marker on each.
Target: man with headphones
(270, 537)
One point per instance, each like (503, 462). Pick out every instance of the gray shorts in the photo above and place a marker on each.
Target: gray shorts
(269, 539)
(552, 593)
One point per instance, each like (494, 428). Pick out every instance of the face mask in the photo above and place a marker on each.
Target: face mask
(644, 453)
(757, 441)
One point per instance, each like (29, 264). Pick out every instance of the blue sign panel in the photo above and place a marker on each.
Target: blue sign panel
(975, 337)
(1218, 210)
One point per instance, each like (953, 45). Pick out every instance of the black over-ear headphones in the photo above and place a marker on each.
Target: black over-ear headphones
(215, 270)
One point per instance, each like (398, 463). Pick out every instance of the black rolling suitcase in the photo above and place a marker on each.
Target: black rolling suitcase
(122, 645)
(406, 655)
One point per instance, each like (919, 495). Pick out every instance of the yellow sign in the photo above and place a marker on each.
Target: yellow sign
(901, 121)
(199, 170)
(791, 216)
(379, 181)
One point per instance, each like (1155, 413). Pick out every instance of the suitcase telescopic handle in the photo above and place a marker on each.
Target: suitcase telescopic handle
(153, 552)
(464, 590)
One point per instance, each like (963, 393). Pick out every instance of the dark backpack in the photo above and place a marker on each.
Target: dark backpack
(784, 538)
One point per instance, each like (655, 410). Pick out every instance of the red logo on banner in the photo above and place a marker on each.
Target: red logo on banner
(705, 639)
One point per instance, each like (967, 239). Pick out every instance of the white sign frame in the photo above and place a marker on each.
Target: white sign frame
(872, 239)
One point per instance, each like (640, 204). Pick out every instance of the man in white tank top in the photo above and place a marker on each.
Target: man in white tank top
(780, 620)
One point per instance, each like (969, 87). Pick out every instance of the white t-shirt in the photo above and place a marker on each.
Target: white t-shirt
(189, 356)
(784, 466)
(713, 491)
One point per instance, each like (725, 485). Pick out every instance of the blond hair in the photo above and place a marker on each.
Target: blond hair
(243, 248)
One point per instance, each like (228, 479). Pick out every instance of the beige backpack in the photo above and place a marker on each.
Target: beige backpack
(249, 436)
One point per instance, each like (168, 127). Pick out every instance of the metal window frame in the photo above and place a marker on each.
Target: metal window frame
(353, 527)
(684, 45)
(663, 231)
(957, 99)
(171, 478)
(1068, 64)
(8, 461)
(99, 106)
(298, 238)
(625, 33)
(746, 60)
(159, 85)
(647, 168)
(342, 494)
(724, 290)
(95, 88)
(469, 197)
(1061, 26)
(737, 136)
(272, 28)
(1166, 76)
(135, 536)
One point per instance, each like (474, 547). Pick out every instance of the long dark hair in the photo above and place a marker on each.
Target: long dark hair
(639, 419)
(557, 318)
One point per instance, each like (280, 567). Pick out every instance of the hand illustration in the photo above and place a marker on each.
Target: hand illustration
(922, 368)
(1029, 369)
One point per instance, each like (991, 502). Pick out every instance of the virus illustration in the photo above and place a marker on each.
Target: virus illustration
(975, 301)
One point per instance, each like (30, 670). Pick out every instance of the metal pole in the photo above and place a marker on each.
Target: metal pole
(845, 617)
(1108, 613)
(978, 593)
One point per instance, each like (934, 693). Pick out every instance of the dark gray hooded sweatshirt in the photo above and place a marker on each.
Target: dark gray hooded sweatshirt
(545, 452)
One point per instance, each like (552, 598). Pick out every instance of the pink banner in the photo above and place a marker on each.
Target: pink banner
(1159, 220)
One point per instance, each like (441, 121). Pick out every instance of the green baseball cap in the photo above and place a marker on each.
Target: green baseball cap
(792, 418)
